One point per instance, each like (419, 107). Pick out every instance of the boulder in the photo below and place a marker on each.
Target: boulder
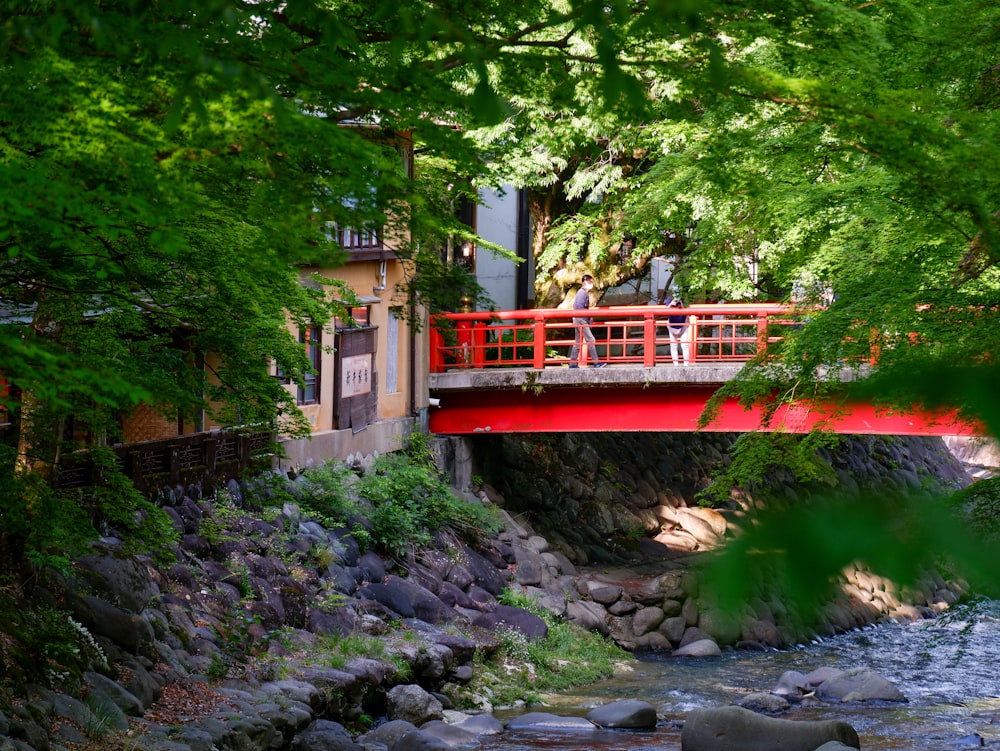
(486, 574)
(128, 630)
(547, 721)
(481, 724)
(700, 648)
(764, 703)
(387, 733)
(792, 684)
(324, 735)
(720, 625)
(630, 714)
(418, 740)
(859, 684)
(646, 620)
(122, 580)
(738, 729)
(411, 703)
(409, 600)
(588, 615)
(453, 735)
(514, 618)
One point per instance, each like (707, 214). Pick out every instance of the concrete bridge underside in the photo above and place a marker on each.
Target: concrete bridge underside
(659, 399)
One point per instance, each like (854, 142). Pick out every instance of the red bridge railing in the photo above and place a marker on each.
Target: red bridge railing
(633, 335)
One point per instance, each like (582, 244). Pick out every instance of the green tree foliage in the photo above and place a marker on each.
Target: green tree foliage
(167, 170)
(822, 148)
(857, 154)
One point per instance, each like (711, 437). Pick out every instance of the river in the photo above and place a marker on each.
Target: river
(947, 667)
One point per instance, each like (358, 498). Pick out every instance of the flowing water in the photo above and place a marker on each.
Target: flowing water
(947, 668)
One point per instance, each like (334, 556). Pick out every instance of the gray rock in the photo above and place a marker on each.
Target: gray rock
(738, 729)
(588, 615)
(631, 714)
(700, 648)
(692, 634)
(764, 703)
(387, 733)
(142, 685)
(130, 631)
(792, 684)
(859, 684)
(410, 600)
(482, 724)
(454, 735)
(122, 580)
(417, 740)
(112, 693)
(622, 608)
(486, 574)
(720, 625)
(673, 628)
(412, 703)
(529, 570)
(652, 640)
(545, 720)
(299, 691)
(606, 595)
(646, 620)
(515, 618)
(820, 675)
(285, 719)
(324, 735)
(73, 710)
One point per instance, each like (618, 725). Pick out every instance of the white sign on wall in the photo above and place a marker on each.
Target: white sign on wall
(356, 375)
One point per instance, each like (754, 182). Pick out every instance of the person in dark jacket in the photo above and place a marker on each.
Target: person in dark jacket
(581, 325)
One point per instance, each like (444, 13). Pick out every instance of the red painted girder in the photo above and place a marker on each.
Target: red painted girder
(678, 409)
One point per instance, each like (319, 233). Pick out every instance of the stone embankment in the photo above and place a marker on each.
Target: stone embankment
(245, 642)
(618, 514)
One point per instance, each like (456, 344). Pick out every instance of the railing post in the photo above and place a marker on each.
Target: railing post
(648, 339)
(477, 342)
(761, 333)
(538, 337)
(463, 337)
(693, 344)
(174, 463)
(211, 447)
(437, 349)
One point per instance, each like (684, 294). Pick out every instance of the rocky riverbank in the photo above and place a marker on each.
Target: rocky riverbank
(277, 632)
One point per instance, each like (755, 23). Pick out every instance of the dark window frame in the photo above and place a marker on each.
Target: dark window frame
(312, 339)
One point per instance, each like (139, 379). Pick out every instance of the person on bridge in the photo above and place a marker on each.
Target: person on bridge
(582, 326)
(677, 328)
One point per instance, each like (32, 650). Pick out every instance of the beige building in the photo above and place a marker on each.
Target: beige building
(370, 386)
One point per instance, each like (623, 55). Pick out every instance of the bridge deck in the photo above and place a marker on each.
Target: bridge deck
(615, 375)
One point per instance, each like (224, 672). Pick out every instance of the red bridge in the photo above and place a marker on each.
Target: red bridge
(507, 372)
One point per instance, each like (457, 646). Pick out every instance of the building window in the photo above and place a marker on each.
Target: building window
(392, 355)
(312, 339)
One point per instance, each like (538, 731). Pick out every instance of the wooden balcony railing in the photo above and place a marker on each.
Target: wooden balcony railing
(211, 459)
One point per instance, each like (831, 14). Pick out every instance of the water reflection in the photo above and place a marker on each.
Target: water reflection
(947, 668)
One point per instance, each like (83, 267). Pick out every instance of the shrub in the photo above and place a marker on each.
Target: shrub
(522, 668)
(410, 501)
